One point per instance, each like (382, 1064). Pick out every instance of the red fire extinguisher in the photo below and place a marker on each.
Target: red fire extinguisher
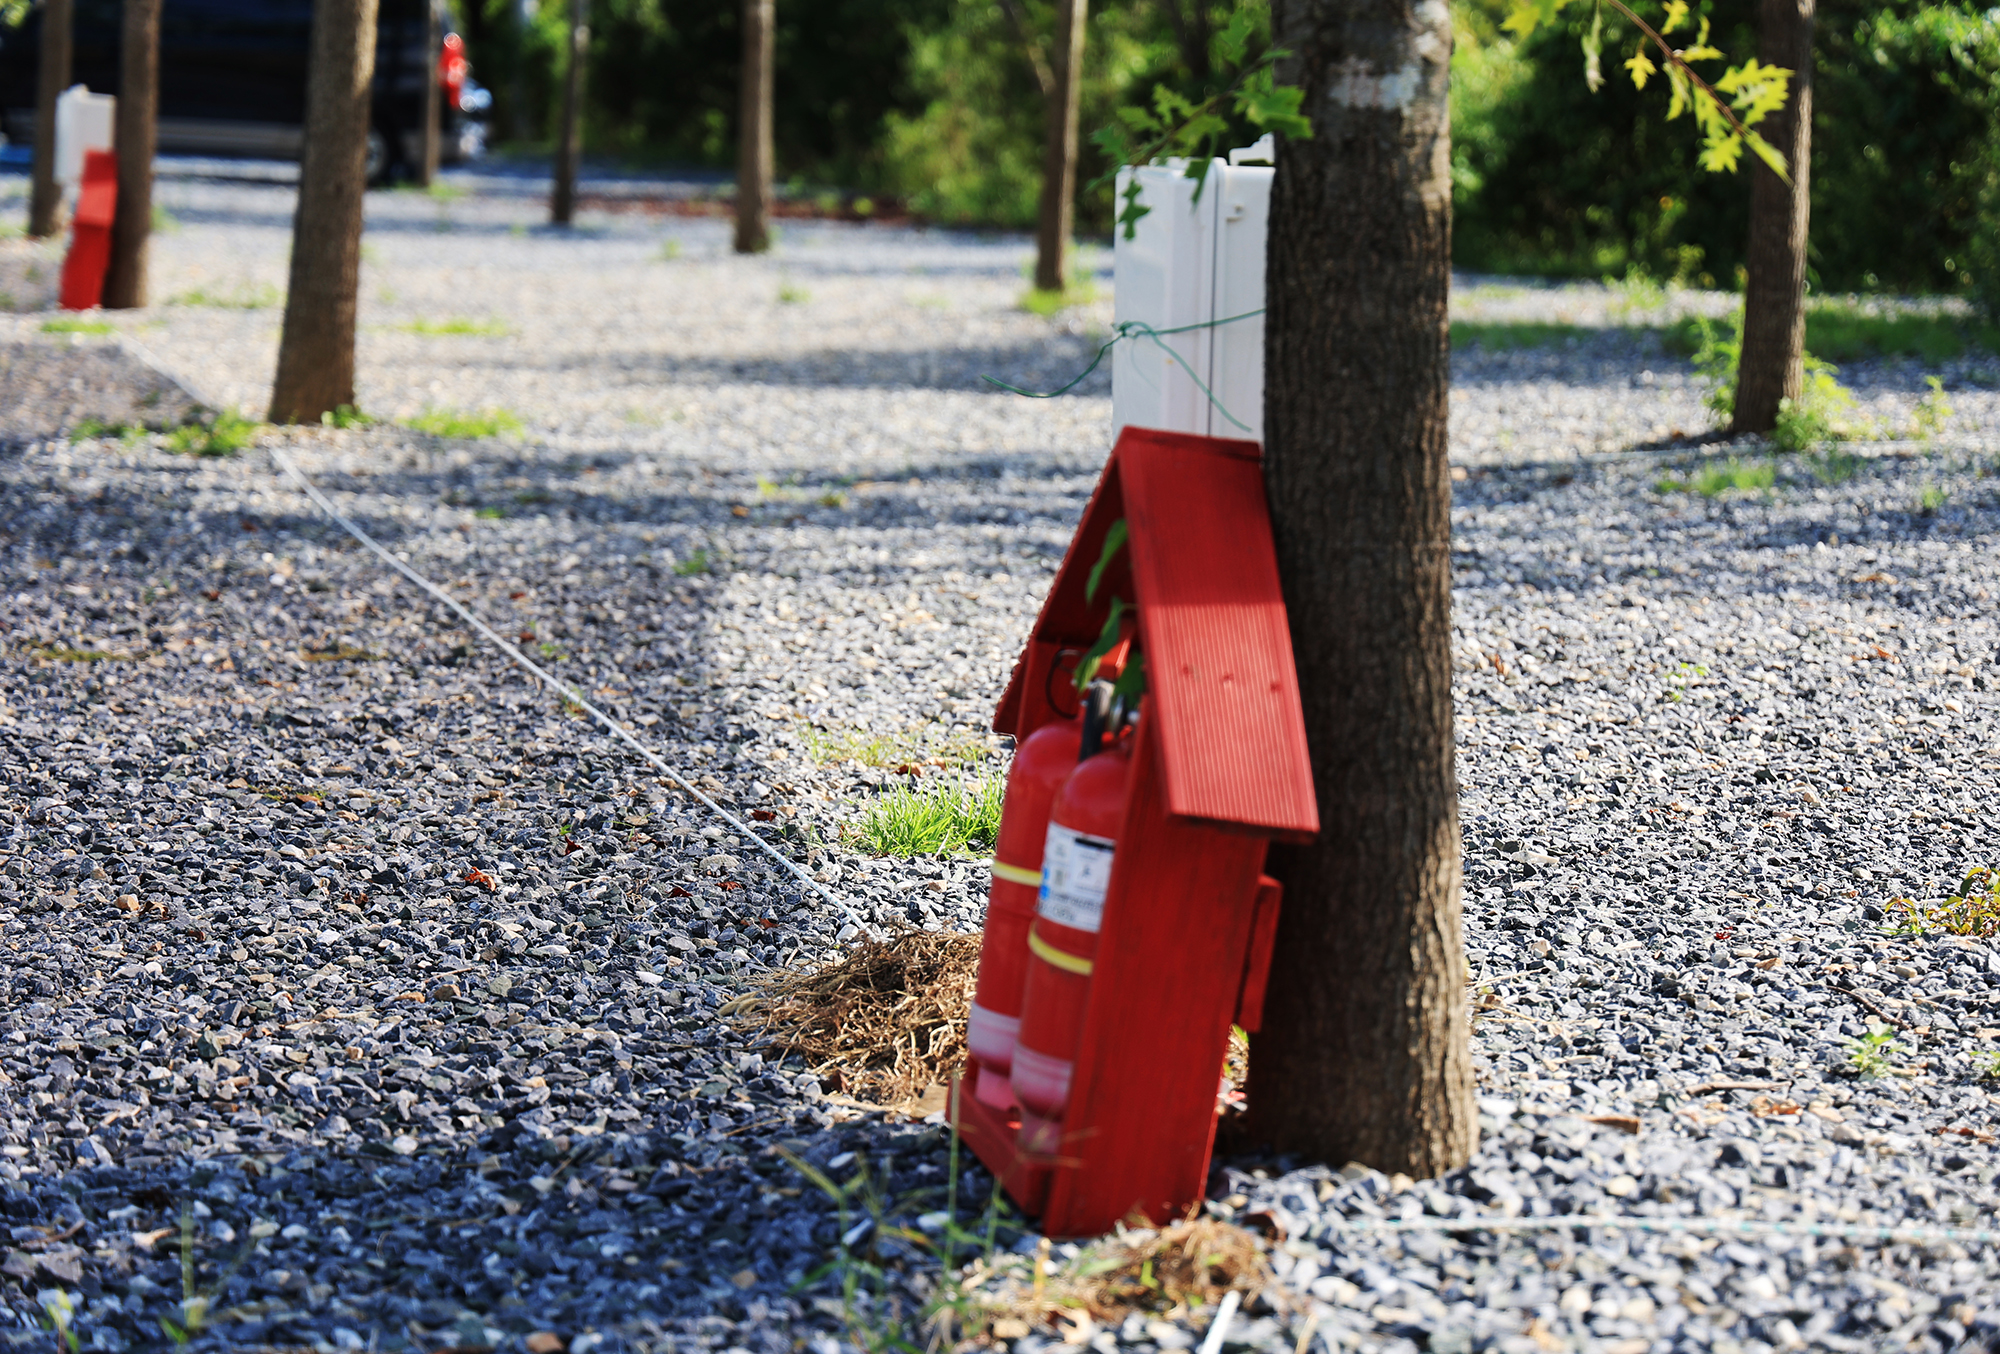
(1041, 764)
(1062, 944)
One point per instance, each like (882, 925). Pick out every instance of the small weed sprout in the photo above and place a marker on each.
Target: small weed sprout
(76, 327)
(1868, 1057)
(696, 563)
(1988, 1065)
(345, 417)
(1932, 410)
(223, 435)
(1682, 677)
(1822, 413)
(1049, 304)
(456, 327)
(1712, 481)
(1832, 466)
(791, 294)
(260, 297)
(58, 1315)
(669, 250)
(490, 514)
(1974, 911)
(1930, 498)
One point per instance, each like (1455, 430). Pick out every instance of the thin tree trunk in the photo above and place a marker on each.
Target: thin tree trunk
(755, 157)
(316, 352)
(138, 114)
(1772, 365)
(569, 142)
(1365, 1050)
(45, 204)
(433, 97)
(1059, 160)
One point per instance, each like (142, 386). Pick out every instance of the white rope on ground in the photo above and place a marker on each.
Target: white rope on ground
(617, 730)
(1919, 1235)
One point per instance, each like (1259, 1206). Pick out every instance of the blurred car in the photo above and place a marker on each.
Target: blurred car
(233, 79)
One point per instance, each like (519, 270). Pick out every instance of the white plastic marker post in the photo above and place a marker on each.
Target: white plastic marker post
(617, 731)
(1218, 1329)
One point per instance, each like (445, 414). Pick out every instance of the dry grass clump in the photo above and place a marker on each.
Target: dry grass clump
(1181, 1267)
(888, 1021)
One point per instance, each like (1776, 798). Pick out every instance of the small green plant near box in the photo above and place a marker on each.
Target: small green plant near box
(456, 327)
(1870, 1056)
(68, 326)
(938, 819)
(1932, 411)
(1823, 412)
(924, 746)
(466, 423)
(90, 427)
(223, 435)
(344, 418)
(1048, 304)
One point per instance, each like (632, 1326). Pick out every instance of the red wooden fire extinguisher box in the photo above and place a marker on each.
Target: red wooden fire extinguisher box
(90, 232)
(1218, 769)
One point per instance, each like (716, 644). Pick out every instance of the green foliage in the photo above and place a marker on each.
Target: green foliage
(926, 745)
(1048, 304)
(696, 563)
(956, 818)
(1823, 412)
(1712, 481)
(69, 326)
(466, 423)
(1869, 1056)
(1551, 178)
(1932, 411)
(791, 294)
(346, 416)
(1716, 356)
(223, 435)
(259, 297)
(1973, 911)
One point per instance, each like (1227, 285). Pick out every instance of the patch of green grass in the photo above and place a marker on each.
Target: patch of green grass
(1930, 498)
(90, 427)
(1501, 336)
(1928, 419)
(1834, 466)
(1974, 911)
(1988, 1064)
(791, 294)
(1048, 304)
(926, 745)
(669, 251)
(1713, 480)
(696, 563)
(223, 435)
(76, 327)
(62, 653)
(460, 327)
(555, 653)
(263, 297)
(164, 221)
(466, 423)
(445, 192)
(491, 514)
(943, 818)
(346, 416)
(1869, 1056)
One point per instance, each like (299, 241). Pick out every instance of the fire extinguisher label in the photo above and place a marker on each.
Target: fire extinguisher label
(1076, 872)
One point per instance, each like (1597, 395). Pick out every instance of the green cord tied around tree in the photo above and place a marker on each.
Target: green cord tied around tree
(1177, 127)
(1724, 111)
(1126, 329)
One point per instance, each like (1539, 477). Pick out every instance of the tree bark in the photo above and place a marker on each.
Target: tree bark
(316, 351)
(1059, 161)
(45, 201)
(755, 157)
(433, 97)
(1771, 367)
(137, 126)
(569, 140)
(1365, 1049)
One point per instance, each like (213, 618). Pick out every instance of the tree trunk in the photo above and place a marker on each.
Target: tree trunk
(45, 204)
(433, 96)
(1059, 162)
(755, 158)
(569, 142)
(316, 352)
(138, 115)
(1365, 1049)
(1772, 365)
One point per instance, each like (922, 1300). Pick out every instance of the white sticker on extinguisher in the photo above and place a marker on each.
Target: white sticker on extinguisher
(1076, 871)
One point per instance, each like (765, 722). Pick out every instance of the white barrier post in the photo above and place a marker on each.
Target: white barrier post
(84, 122)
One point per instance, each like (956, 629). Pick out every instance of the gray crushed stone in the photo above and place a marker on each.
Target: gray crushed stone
(331, 933)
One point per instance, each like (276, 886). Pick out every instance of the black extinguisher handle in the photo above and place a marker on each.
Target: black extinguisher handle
(1096, 719)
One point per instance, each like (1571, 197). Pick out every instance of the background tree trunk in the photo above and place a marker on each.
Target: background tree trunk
(45, 203)
(316, 352)
(1771, 367)
(138, 117)
(433, 96)
(1059, 164)
(755, 158)
(1365, 1050)
(569, 139)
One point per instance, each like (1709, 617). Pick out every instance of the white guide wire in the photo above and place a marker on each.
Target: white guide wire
(617, 731)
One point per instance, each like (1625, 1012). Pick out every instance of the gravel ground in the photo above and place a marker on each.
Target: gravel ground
(334, 936)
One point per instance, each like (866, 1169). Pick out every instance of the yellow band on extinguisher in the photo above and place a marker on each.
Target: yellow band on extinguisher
(1014, 874)
(1068, 963)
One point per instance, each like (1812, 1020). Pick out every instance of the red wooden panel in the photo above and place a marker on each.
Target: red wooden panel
(97, 195)
(1169, 968)
(1257, 969)
(1212, 620)
(991, 1135)
(1066, 619)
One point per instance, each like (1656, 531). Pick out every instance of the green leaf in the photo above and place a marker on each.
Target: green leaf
(1234, 39)
(1768, 153)
(1107, 639)
(1641, 66)
(1131, 683)
(1720, 154)
(1677, 12)
(1114, 541)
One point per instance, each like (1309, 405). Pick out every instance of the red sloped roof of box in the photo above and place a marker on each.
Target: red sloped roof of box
(1224, 688)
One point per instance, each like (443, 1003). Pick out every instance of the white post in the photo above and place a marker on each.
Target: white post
(84, 121)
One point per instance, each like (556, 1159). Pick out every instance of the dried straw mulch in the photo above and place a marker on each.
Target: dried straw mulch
(887, 1023)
